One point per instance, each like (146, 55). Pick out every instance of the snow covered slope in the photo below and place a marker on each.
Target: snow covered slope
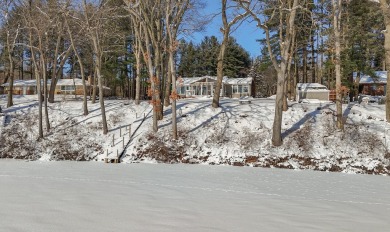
(234, 134)
(92, 196)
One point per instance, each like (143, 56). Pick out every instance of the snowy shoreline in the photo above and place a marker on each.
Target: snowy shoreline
(235, 134)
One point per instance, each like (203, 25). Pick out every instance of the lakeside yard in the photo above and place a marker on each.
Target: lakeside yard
(234, 134)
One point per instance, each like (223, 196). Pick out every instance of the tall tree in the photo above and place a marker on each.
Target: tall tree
(97, 18)
(386, 14)
(147, 17)
(59, 47)
(174, 16)
(225, 29)
(73, 42)
(35, 19)
(336, 7)
(10, 29)
(363, 51)
(286, 11)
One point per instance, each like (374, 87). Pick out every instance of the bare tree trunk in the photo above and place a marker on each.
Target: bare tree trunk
(45, 93)
(94, 85)
(11, 74)
(55, 74)
(54, 70)
(168, 84)
(336, 27)
(40, 116)
(312, 67)
(98, 61)
(285, 103)
(277, 125)
(226, 31)
(39, 91)
(138, 79)
(386, 13)
(158, 84)
(304, 56)
(221, 57)
(137, 43)
(287, 85)
(153, 80)
(174, 94)
(387, 49)
(286, 31)
(101, 99)
(296, 76)
(85, 106)
(11, 84)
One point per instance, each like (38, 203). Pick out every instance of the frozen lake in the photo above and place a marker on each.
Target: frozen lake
(92, 196)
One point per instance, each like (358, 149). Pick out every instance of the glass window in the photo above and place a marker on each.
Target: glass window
(245, 89)
(67, 87)
(235, 89)
(240, 88)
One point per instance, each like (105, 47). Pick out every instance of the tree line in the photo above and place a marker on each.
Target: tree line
(134, 45)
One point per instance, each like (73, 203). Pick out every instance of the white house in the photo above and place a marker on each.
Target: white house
(205, 86)
(64, 86)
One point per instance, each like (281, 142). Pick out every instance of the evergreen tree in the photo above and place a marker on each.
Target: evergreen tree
(364, 43)
(201, 60)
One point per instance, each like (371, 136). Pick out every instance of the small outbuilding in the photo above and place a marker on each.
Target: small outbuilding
(312, 91)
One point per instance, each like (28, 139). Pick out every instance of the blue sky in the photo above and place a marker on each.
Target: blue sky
(246, 34)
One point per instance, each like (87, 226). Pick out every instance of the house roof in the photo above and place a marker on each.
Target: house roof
(225, 80)
(366, 79)
(59, 83)
(22, 83)
(311, 86)
(236, 81)
(70, 82)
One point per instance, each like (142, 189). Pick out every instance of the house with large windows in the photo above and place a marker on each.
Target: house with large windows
(205, 86)
(64, 86)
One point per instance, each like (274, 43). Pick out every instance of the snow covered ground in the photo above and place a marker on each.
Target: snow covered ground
(93, 196)
(73, 136)
(240, 135)
(234, 134)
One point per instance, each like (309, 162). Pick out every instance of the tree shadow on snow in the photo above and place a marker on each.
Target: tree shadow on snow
(303, 120)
